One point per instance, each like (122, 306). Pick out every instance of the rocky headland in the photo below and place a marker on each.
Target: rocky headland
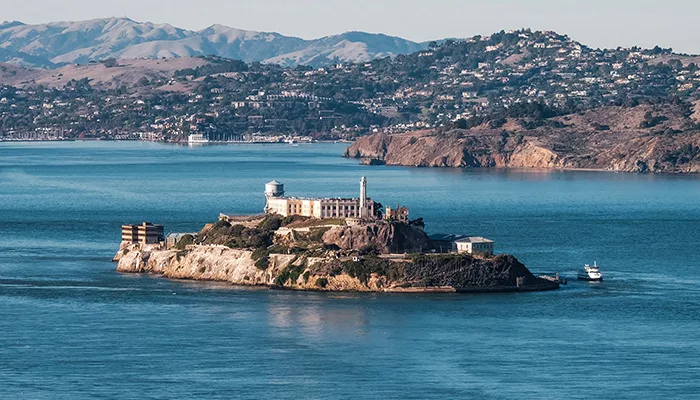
(307, 254)
(641, 139)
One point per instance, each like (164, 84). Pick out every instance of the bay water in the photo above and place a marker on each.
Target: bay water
(73, 328)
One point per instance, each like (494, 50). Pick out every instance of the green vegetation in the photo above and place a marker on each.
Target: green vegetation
(218, 65)
(271, 223)
(181, 254)
(289, 273)
(364, 268)
(651, 121)
(238, 236)
(184, 242)
(316, 235)
(322, 282)
(261, 256)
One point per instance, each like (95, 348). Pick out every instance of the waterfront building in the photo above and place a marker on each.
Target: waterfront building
(277, 203)
(197, 138)
(475, 245)
(145, 233)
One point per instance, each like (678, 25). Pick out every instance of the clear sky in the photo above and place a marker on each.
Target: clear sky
(597, 23)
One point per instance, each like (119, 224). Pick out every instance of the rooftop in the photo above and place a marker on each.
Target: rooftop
(320, 198)
(474, 239)
(446, 237)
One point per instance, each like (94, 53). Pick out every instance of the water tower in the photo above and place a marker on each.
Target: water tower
(274, 189)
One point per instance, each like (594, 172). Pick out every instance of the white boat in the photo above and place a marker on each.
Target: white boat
(590, 273)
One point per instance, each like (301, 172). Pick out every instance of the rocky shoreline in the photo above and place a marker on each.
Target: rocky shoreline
(219, 263)
(334, 265)
(568, 142)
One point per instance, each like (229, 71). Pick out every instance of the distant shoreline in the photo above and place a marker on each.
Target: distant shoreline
(162, 142)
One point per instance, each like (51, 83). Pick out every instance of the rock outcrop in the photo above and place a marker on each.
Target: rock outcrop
(382, 237)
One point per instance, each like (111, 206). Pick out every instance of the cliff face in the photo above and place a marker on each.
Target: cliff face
(468, 272)
(217, 263)
(330, 273)
(384, 237)
(663, 148)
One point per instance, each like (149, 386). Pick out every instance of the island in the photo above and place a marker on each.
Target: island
(326, 244)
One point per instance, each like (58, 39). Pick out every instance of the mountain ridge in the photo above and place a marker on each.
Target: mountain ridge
(54, 44)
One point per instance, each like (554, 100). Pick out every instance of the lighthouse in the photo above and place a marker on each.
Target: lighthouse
(363, 197)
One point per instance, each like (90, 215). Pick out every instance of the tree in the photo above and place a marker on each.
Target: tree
(110, 62)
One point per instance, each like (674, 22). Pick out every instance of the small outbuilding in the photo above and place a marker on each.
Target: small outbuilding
(475, 245)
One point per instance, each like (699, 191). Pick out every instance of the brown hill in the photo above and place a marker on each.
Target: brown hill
(124, 73)
(639, 139)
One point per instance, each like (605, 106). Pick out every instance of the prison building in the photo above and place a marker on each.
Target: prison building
(145, 233)
(277, 203)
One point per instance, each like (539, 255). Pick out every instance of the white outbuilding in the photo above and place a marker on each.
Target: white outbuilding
(475, 245)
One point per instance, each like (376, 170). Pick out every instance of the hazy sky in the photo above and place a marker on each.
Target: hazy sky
(597, 23)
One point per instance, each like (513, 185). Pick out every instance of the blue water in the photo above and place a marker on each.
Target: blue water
(73, 328)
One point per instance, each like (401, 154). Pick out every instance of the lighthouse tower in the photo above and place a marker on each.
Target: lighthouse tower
(363, 197)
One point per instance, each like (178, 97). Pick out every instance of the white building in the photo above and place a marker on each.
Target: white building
(278, 203)
(197, 138)
(475, 245)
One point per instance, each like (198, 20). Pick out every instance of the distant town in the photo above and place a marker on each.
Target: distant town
(483, 80)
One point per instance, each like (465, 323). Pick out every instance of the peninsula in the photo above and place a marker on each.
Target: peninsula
(643, 139)
(326, 244)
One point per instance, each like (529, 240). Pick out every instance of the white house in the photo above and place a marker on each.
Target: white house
(475, 245)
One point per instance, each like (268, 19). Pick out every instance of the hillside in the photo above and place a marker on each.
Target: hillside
(577, 142)
(59, 43)
(532, 79)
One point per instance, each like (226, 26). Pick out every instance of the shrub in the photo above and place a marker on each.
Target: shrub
(292, 219)
(322, 282)
(289, 273)
(184, 241)
(369, 249)
(362, 270)
(221, 224)
(271, 223)
(316, 235)
(261, 257)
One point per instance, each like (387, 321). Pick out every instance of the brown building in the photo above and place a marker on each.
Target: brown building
(146, 233)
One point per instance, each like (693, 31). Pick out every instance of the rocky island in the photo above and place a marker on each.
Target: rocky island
(339, 249)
